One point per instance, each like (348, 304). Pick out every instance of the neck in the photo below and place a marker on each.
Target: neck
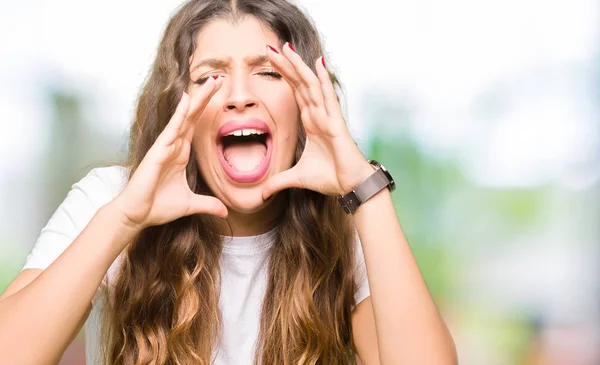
(251, 224)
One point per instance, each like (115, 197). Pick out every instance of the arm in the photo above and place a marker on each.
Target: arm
(364, 333)
(407, 325)
(38, 319)
(409, 329)
(38, 322)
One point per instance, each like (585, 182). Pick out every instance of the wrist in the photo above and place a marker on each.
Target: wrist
(362, 171)
(379, 178)
(374, 205)
(116, 235)
(113, 211)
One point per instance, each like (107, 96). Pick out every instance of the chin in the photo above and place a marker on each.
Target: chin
(245, 201)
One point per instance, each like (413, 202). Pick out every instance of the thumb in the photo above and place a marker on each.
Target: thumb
(207, 205)
(283, 180)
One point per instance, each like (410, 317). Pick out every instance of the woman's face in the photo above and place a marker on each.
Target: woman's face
(249, 130)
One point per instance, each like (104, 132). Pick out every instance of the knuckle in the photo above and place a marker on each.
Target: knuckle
(296, 82)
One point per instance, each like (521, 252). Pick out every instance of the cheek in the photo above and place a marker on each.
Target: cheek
(283, 108)
(287, 118)
(286, 102)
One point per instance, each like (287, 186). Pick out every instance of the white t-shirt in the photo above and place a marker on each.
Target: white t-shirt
(243, 267)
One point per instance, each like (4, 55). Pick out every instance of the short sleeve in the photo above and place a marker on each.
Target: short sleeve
(84, 199)
(362, 280)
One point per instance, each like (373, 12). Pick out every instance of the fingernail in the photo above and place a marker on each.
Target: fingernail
(291, 47)
(323, 61)
(215, 77)
(272, 49)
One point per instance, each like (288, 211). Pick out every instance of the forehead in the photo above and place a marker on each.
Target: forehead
(223, 38)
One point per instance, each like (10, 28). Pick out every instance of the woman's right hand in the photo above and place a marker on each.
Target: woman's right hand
(158, 191)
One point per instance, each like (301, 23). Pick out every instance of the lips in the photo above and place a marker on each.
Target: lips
(245, 151)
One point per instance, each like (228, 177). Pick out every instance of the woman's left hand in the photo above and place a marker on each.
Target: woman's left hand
(331, 163)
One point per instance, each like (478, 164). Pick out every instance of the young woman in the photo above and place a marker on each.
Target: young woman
(224, 238)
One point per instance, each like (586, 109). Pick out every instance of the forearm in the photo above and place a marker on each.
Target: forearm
(38, 322)
(409, 327)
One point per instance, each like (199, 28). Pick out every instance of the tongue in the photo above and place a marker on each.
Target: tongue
(245, 156)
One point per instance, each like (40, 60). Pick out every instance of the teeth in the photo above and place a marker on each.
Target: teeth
(245, 132)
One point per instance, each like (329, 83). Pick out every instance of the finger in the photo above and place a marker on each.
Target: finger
(201, 98)
(283, 180)
(171, 130)
(288, 73)
(204, 204)
(306, 76)
(198, 102)
(330, 100)
(300, 100)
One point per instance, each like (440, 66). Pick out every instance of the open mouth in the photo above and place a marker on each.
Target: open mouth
(245, 149)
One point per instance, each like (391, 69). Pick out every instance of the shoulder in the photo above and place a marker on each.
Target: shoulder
(110, 179)
(101, 184)
(98, 187)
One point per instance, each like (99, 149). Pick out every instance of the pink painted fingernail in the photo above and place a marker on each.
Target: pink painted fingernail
(272, 49)
(292, 47)
(215, 77)
(323, 61)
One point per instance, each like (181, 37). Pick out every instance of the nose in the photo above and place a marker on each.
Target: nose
(240, 95)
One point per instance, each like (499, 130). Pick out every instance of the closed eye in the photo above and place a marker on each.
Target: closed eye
(268, 74)
(271, 74)
(202, 80)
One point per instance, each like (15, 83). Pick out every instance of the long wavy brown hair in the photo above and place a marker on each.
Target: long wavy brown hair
(163, 306)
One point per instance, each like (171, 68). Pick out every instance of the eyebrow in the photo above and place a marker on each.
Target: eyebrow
(224, 62)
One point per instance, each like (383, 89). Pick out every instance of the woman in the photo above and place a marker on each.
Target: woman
(222, 240)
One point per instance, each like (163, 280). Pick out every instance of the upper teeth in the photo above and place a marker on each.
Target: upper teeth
(245, 132)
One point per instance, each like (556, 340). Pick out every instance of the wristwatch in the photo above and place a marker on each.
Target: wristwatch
(380, 179)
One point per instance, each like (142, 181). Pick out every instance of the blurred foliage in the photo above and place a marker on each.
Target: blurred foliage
(423, 184)
(75, 147)
(448, 219)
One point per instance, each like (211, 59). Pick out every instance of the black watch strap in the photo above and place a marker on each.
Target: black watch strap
(380, 179)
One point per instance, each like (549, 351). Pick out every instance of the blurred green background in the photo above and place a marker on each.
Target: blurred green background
(486, 113)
